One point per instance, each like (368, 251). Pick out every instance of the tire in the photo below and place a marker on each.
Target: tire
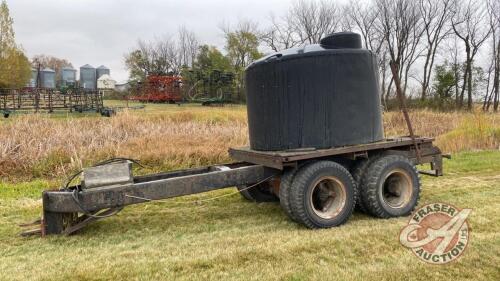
(390, 187)
(311, 195)
(358, 171)
(285, 187)
(259, 193)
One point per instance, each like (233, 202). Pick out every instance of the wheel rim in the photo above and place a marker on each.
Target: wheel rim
(397, 188)
(328, 197)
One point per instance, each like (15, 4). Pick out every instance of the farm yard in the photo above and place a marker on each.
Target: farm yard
(227, 238)
(284, 140)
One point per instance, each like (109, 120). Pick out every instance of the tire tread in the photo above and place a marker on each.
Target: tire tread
(285, 187)
(300, 182)
(369, 191)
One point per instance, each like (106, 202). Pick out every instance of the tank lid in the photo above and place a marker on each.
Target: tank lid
(87, 66)
(102, 67)
(341, 40)
(48, 70)
(68, 68)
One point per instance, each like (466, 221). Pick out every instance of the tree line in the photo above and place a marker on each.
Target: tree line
(200, 65)
(435, 43)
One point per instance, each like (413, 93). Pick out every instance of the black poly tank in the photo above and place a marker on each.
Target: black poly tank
(318, 96)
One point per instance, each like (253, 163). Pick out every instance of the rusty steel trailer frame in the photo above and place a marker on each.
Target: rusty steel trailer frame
(61, 208)
(406, 146)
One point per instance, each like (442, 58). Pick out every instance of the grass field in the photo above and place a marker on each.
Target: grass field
(228, 238)
(170, 136)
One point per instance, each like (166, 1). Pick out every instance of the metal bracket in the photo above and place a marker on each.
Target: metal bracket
(106, 175)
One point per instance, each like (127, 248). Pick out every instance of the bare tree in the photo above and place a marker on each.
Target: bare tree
(453, 51)
(52, 62)
(169, 54)
(362, 17)
(435, 17)
(469, 26)
(400, 23)
(306, 22)
(312, 20)
(188, 46)
(494, 21)
(280, 35)
(490, 91)
(158, 57)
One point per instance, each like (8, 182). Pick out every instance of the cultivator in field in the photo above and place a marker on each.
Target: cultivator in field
(50, 100)
(160, 89)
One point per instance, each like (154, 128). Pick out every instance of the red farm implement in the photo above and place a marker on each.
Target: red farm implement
(160, 89)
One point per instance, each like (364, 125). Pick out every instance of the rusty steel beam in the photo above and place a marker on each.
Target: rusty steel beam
(154, 189)
(402, 103)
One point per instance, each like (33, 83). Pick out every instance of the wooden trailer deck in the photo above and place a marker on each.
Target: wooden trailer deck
(403, 145)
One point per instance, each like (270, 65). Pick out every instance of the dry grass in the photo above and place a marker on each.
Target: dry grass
(454, 132)
(167, 137)
(425, 123)
(35, 146)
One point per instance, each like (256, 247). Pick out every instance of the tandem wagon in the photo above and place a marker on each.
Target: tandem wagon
(317, 146)
(316, 187)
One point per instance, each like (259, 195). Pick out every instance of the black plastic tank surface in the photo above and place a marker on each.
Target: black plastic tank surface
(318, 96)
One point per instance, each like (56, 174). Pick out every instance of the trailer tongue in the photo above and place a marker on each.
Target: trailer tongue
(113, 187)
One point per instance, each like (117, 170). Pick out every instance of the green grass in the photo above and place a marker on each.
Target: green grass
(232, 239)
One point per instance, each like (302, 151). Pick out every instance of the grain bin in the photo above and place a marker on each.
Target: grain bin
(33, 79)
(88, 77)
(68, 76)
(102, 70)
(317, 96)
(48, 78)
